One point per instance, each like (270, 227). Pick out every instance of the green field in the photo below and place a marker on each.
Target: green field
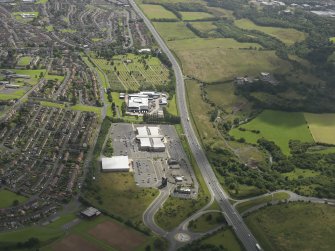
(190, 16)
(206, 222)
(68, 31)
(276, 126)
(322, 127)
(18, 16)
(223, 95)
(225, 238)
(49, 28)
(171, 31)
(220, 59)
(288, 36)
(296, 226)
(172, 106)
(54, 232)
(133, 72)
(204, 26)
(154, 11)
(8, 197)
(332, 39)
(242, 207)
(298, 173)
(13, 95)
(52, 104)
(34, 75)
(118, 194)
(86, 108)
(23, 61)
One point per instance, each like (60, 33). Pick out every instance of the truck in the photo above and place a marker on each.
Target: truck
(258, 247)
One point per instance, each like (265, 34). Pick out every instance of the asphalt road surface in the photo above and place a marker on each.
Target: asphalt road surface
(232, 216)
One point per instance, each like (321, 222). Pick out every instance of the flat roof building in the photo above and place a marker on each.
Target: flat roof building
(138, 103)
(90, 212)
(115, 164)
(150, 139)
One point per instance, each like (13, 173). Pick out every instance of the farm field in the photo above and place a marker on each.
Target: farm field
(213, 60)
(199, 110)
(119, 195)
(190, 16)
(23, 61)
(132, 72)
(154, 11)
(275, 126)
(99, 234)
(287, 36)
(8, 197)
(204, 26)
(322, 127)
(171, 31)
(295, 226)
(223, 95)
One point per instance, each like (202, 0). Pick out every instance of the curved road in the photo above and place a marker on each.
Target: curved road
(232, 216)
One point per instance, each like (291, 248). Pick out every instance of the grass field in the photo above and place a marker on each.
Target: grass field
(86, 108)
(8, 197)
(223, 95)
(276, 126)
(67, 30)
(190, 16)
(120, 195)
(23, 61)
(157, 11)
(18, 16)
(172, 106)
(52, 104)
(322, 127)
(175, 210)
(206, 222)
(332, 39)
(55, 236)
(300, 173)
(34, 75)
(225, 238)
(171, 31)
(296, 226)
(204, 26)
(242, 207)
(288, 36)
(13, 95)
(220, 59)
(132, 72)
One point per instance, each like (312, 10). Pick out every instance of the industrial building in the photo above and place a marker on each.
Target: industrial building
(115, 164)
(150, 139)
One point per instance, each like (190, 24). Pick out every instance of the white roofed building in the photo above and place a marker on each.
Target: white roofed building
(150, 139)
(115, 164)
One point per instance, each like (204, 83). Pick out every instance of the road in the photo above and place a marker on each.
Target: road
(232, 216)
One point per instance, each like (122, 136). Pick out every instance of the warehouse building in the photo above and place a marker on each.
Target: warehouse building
(150, 139)
(115, 164)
